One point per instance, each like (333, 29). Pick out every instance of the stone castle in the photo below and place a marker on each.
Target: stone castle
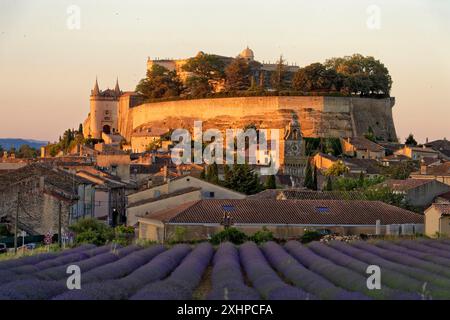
(125, 113)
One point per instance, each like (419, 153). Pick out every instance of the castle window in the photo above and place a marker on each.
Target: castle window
(106, 112)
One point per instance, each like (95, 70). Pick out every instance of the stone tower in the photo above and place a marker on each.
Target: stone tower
(103, 116)
(293, 149)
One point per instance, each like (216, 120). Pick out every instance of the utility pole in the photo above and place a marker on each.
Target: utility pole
(16, 222)
(59, 225)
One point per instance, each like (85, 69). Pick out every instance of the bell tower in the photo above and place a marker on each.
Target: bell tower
(293, 150)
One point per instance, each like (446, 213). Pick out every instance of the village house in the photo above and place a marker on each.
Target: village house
(439, 172)
(418, 192)
(109, 197)
(443, 198)
(370, 167)
(417, 153)
(362, 148)
(441, 146)
(42, 195)
(199, 220)
(437, 220)
(173, 193)
(144, 135)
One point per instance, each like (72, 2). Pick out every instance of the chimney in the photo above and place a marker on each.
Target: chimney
(426, 140)
(423, 168)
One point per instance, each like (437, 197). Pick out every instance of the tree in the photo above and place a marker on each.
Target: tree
(159, 83)
(309, 176)
(370, 135)
(25, 151)
(316, 77)
(80, 129)
(314, 183)
(154, 145)
(237, 75)
(207, 66)
(279, 76)
(90, 230)
(362, 75)
(198, 86)
(410, 141)
(243, 179)
(329, 184)
(337, 169)
(271, 182)
(212, 173)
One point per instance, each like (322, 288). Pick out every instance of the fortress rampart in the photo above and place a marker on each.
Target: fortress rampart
(318, 116)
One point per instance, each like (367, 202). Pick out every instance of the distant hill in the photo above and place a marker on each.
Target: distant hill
(16, 143)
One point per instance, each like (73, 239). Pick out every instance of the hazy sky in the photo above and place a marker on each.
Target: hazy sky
(47, 70)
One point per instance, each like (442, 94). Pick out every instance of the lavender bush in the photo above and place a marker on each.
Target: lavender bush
(227, 279)
(157, 269)
(264, 279)
(304, 278)
(340, 276)
(420, 275)
(184, 279)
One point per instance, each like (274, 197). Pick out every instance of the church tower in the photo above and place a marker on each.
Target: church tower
(293, 149)
(103, 116)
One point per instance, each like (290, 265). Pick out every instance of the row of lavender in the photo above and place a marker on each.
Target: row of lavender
(410, 270)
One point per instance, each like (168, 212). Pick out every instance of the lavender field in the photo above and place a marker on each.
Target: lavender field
(417, 270)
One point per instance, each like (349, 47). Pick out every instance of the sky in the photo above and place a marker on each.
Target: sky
(48, 65)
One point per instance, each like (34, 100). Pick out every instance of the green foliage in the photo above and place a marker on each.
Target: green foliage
(309, 179)
(27, 152)
(337, 169)
(410, 141)
(124, 235)
(400, 171)
(238, 75)
(90, 230)
(386, 195)
(4, 232)
(243, 179)
(279, 78)
(310, 235)
(206, 66)
(271, 182)
(351, 184)
(178, 236)
(232, 235)
(361, 75)
(212, 173)
(154, 145)
(159, 83)
(370, 135)
(198, 87)
(325, 145)
(262, 236)
(316, 77)
(329, 184)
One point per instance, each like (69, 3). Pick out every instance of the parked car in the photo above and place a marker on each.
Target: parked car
(30, 246)
(3, 248)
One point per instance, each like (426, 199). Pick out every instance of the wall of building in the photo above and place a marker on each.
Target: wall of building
(424, 195)
(318, 116)
(163, 204)
(103, 111)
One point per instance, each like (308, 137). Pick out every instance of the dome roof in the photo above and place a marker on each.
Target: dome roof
(247, 53)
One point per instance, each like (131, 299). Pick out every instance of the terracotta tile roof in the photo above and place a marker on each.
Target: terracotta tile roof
(443, 208)
(404, 185)
(302, 212)
(445, 196)
(164, 196)
(439, 170)
(439, 145)
(371, 166)
(266, 194)
(428, 161)
(322, 195)
(327, 156)
(361, 143)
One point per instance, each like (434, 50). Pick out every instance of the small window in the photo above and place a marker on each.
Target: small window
(106, 112)
(211, 194)
(157, 194)
(322, 209)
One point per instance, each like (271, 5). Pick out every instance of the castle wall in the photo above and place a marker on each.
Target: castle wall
(318, 116)
(103, 112)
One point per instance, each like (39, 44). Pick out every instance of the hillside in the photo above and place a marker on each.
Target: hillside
(16, 143)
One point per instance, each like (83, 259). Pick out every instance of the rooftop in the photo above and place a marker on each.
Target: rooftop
(361, 143)
(164, 196)
(301, 212)
(405, 185)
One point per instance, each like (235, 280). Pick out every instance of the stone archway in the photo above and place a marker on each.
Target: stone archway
(106, 129)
